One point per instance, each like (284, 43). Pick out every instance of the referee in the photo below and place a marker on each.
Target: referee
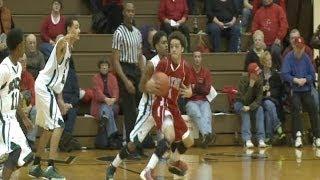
(128, 63)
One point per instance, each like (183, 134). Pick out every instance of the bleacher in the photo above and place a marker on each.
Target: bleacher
(226, 68)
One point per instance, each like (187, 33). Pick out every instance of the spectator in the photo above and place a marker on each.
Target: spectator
(222, 18)
(248, 102)
(70, 95)
(104, 105)
(246, 14)
(198, 107)
(294, 33)
(35, 58)
(258, 3)
(253, 56)
(272, 21)
(128, 65)
(147, 33)
(299, 73)
(273, 93)
(28, 96)
(315, 41)
(112, 10)
(51, 27)
(173, 15)
(6, 25)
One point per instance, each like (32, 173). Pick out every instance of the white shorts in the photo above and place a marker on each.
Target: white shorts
(13, 138)
(48, 113)
(145, 121)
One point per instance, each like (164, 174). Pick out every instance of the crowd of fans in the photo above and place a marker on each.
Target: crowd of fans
(278, 76)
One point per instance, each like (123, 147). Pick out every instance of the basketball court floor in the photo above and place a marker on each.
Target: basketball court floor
(217, 163)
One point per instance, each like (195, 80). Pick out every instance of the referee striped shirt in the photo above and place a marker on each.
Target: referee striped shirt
(129, 43)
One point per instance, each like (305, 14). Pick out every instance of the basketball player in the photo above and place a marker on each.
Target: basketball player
(165, 110)
(144, 122)
(49, 102)
(12, 140)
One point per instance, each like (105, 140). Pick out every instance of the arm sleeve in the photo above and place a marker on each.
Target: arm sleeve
(44, 32)
(117, 40)
(98, 90)
(286, 71)
(283, 24)
(162, 11)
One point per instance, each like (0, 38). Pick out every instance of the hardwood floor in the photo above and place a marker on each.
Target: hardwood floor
(219, 163)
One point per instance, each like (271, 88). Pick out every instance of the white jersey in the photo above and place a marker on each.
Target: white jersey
(54, 75)
(10, 77)
(143, 122)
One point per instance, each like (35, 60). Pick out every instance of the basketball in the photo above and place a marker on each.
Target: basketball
(163, 80)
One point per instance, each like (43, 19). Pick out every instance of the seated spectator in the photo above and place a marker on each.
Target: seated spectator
(198, 107)
(71, 96)
(6, 25)
(315, 41)
(272, 96)
(246, 14)
(253, 56)
(248, 102)
(294, 33)
(147, 33)
(173, 15)
(222, 18)
(258, 3)
(104, 106)
(112, 10)
(35, 58)
(52, 26)
(299, 73)
(28, 96)
(272, 21)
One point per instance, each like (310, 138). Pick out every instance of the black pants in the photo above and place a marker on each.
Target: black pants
(129, 102)
(182, 28)
(304, 100)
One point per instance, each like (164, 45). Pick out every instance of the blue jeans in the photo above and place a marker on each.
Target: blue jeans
(215, 33)
(246, 124)
(70, 120)
(271, 115)
(200, 113)
(246, 16)
(110, 113)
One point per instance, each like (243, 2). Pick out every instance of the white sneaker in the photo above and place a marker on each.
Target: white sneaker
(298, 141)
(262, 144)
(249, 144)
(316, 142)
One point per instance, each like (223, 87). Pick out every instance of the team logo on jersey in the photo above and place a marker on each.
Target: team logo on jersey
(14, 84)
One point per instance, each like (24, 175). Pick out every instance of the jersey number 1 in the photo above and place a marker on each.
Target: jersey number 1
(14, 103)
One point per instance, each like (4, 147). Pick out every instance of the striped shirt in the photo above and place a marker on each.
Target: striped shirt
(129, 43)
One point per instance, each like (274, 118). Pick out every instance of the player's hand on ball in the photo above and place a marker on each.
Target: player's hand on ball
(186, 92)
(152, 87)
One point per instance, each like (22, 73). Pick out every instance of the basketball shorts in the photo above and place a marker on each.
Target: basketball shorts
(48, 113)
(12, 138)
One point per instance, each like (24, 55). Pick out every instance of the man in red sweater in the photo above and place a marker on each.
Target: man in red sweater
(173, 15)
(198, 106)
(272, 21)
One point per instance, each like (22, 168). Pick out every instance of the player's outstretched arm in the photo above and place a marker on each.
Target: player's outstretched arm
(26, 121)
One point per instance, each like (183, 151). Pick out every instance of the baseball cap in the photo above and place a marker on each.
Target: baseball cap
(299, 42)
(253, 68)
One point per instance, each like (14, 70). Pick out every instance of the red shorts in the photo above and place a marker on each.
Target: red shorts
(180, 127)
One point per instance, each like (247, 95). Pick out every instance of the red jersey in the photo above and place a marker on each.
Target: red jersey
(178, 75)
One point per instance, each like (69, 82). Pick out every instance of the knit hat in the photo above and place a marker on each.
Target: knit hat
(253, 68)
